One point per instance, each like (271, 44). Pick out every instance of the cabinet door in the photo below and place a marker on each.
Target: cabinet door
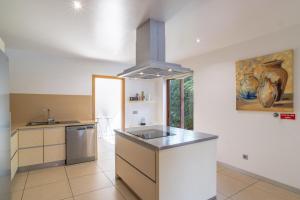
(14, 165)
(13, 145)
(139, 183)
(140, 157)
(31, 156)
(54, 135)
(54, 153)
(31, 138)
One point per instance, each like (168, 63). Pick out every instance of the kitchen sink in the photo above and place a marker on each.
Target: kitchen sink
(41, 123)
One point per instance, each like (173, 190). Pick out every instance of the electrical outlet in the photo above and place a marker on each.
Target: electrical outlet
(245, 156)
(135, 112)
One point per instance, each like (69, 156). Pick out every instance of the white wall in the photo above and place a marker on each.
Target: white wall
(273, 145)
(151, 111)
(50, 74)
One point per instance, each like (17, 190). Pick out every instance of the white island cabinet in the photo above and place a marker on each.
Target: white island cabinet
(175, 167)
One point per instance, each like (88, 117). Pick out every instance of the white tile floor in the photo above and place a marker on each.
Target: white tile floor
(95, 181)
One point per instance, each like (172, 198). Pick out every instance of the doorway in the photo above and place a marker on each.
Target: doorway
(108, 105)
(180, 103)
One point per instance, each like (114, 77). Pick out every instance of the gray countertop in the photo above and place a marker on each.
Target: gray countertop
(182, 137)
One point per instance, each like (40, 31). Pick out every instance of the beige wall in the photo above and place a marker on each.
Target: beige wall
(27, 107)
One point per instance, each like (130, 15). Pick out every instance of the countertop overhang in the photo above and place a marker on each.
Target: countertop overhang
(182, 137)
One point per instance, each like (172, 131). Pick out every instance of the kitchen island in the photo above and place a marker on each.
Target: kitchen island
(166, 163)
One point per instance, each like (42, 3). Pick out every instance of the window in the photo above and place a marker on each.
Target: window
(180, 103)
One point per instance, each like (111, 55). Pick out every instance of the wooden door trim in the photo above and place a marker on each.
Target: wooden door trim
(122, 95)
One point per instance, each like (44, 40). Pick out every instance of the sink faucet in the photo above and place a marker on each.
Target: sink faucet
(49, 118)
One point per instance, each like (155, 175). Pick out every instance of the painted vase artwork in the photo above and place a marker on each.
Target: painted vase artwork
(265, 83)
(249, 87)
(267, 93)
(277, 75)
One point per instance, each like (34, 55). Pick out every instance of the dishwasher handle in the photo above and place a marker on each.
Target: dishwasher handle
(81, 129)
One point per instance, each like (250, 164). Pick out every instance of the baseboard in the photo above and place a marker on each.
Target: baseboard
(42, 166)
(262, 178)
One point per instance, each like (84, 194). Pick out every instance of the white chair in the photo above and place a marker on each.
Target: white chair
(105, 126)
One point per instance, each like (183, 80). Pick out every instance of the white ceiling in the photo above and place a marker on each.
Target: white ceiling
(105, 29)
(221, 23)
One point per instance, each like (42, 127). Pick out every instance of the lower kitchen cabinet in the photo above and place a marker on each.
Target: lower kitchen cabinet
(31, 156)
(139, 156)
(41, 146)
(14, 164)
(54, 135)
(144, 187)
(54, 153)
(14, 155)
(31, 138)
(13, 144)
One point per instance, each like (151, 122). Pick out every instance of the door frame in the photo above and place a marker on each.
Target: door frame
(122, 96)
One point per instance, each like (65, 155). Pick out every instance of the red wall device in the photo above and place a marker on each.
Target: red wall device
(288, 116)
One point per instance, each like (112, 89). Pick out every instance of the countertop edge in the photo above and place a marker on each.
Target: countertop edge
(190, 142)
(136, 140)
(153, 147)
(24, 127)
(13, 132)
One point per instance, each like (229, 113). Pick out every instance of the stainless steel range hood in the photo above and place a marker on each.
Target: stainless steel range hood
(150, 54)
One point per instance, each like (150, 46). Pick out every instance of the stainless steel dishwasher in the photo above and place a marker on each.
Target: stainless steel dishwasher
(81, 144)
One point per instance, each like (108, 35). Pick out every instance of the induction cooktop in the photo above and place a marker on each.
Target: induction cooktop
(151, 133)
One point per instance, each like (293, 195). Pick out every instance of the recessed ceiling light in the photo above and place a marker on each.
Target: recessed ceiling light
(169, 70)
(77, 5)
(141, 73)
(198, 40)
(157, 75)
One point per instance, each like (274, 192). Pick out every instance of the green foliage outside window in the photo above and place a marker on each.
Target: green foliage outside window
(175, 103)
(188, 103)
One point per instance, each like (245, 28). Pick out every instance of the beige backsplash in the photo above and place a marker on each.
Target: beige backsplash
(28, 107)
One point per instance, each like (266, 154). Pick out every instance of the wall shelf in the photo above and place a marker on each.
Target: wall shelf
(133, 102)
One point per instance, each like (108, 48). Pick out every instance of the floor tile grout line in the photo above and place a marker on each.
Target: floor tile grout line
(95, 190)
(241, 173)
(270, 192)
(27, 174)
(91, 190)
(76, 177)
(121, 193)
(256, 180)
(114, 185)
(108, 178)
(241, 190)
(69, 182)
(37, 186)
